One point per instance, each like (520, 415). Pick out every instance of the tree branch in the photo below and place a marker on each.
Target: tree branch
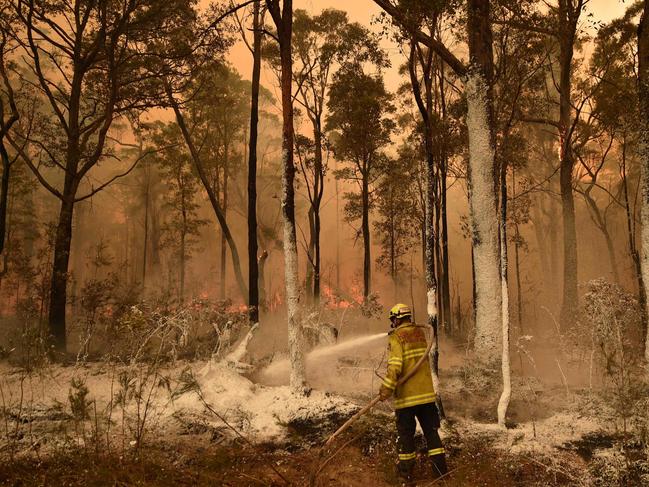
(526, 27)
(539, 120)
(94, 191)
(34, 169)
(442, 51)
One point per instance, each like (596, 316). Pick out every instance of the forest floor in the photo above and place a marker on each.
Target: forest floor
(108, 424)
(196, 462)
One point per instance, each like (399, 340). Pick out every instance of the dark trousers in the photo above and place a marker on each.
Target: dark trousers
(428, 419)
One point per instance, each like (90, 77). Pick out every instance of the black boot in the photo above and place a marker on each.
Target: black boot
(439, 465)
(405, 470)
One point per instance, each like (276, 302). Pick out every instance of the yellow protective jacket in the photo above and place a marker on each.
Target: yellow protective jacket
(407, 346)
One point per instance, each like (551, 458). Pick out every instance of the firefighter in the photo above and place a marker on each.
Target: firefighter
(416, 397)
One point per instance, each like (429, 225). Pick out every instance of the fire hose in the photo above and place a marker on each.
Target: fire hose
(361, 413)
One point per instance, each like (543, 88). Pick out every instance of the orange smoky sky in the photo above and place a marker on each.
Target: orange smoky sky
(364, 11)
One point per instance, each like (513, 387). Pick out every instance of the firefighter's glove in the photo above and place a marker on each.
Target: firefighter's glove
(384, 393)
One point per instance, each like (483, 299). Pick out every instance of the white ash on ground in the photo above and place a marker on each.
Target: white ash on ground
(544, 437)
(261, 413)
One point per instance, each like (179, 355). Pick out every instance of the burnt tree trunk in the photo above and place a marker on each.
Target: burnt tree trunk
(446, 285)
(181, 287)
(600, 223)
(631, 235)
(365, 229)
(393, 263)
(253, 267)
(568, 16)
(59, 282)
(519, 289)
(145, 246)
(429, 225)
(438, 249)
(155, 237)
(236, 263)
(318, 189)
(261, 281)
(4, 194)
(517, 240)
(446, 282)
(310, 256)
(643, 95)
(225, 216)
(4, 129)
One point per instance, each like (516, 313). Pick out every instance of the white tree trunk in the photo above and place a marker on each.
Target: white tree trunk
(484, 220)
(296, 354)
(431, 286)
(434, 351)
(282, 14)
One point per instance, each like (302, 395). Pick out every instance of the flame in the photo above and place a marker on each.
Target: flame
(357, 293)
(334, 300)
(237, 308)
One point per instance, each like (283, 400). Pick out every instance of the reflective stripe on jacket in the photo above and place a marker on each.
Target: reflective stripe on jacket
(407, 345)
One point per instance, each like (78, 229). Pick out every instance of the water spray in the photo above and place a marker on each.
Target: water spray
(318, 353)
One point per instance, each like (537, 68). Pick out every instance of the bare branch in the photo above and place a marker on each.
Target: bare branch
(20, 150)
